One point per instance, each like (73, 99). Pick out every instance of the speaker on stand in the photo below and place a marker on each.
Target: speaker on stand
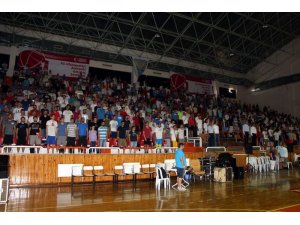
(4, 160)
(4, 180)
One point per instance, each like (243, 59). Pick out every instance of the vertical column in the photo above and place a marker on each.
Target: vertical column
(134, 75)
(12, 61)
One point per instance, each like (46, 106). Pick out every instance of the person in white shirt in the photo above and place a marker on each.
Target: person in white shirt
(199, 125)
(93, 105)
(185, 119)
(113, 124)
(216, 133)
(31, 118)
(85, 116)
(246, 130)
(159, 132)
(253, 133)
(181, 134)
(265, 136)
(60, 100)
(51, 130)
(276, 134)
(17, 109)
(205, 124)
(67, 114)
(18, 116)
(211, 136)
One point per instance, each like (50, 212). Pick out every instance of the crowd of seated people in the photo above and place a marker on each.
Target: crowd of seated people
(94, 110)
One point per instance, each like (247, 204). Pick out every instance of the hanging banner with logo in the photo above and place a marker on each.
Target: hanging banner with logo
(191, 84)
(57, 64)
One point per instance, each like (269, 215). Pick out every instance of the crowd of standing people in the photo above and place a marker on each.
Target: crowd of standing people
(95, 111)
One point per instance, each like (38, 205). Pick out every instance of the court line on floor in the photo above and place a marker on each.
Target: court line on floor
(286, 207)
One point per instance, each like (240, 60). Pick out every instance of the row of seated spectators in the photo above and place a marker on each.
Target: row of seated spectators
(78, 112)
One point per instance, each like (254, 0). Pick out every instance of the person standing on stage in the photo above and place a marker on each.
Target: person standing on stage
(35, 134)
(71, 132)
(180, 161)
(253, 133)
(102, 134)
(82, 130)
(51, 131)
(22, 132)
(246, 130)
(8, 130)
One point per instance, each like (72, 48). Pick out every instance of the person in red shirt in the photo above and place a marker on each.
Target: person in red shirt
(147, 134)
(56, 113)
(34, 112)
(136, 121)
(123, 113)
(192, 126)
(10, 97)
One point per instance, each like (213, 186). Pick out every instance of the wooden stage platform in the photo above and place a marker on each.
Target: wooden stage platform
(256, 192)
(41, 169)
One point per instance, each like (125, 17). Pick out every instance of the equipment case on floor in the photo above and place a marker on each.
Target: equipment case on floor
(223, 174)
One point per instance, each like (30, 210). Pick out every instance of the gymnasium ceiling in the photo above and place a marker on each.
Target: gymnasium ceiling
(233, 42)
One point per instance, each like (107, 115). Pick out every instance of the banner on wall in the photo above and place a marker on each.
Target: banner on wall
(191, 84)
(70, 66)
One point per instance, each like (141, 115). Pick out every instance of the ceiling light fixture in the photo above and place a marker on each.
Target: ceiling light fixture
(157, 36)
(255, 89)
(265, 26)
(231, 54)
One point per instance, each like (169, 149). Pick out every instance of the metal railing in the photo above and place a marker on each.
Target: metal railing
(24, 149)
(215, 149)
(194, 140)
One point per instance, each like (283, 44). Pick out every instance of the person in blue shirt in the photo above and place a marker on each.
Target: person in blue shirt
(109, 113)
(180, 161)
(62, 137)
(175, 116)
(26, 103)
(82, 133)
(119, 119)
(100, 114)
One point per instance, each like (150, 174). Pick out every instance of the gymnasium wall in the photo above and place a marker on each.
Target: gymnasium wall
(283, 98)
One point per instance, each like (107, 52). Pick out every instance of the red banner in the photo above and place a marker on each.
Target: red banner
(192, 84)
(70, 66)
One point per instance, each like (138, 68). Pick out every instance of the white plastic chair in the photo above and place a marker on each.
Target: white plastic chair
(268, 163)
(160, 179)
(252, 160)
(274, 164)
(77, 171)
(259, 165)
(88, 171)
(262, 163)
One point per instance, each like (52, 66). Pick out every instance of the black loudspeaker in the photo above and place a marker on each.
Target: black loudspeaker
(225, 160)
(239, 173)
(249, 149)
(4, 159)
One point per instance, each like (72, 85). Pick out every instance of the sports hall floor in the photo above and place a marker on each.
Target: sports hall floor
(256, 192)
